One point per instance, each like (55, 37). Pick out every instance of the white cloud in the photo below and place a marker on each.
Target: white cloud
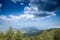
(27, 10)
(31, 10)
(30, 13)
(17, 1)
(3, 17)
(0, 5)
(13, 1)
(21, 3)
(38, 13)
(25, 17)
(16, 18)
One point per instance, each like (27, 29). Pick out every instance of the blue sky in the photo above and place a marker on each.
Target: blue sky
(42, 14)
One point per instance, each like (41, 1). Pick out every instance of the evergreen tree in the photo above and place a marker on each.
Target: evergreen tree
(18, 35)
(27, 38)
(1, 35)
(56, 34)
(46, 35)
(10, 34)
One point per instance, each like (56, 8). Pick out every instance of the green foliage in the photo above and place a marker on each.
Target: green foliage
(9, 34)
(46, 36)
(1, 35)
(27, 38)
(56, 34)
(18, 35)
(52, 34)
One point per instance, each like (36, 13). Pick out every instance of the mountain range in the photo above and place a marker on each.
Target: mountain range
(30, 31)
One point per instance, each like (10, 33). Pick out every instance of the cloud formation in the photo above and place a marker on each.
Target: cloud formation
(45, 5)
(16, 18)
(27, 16)
(36, 9)
(39, 8)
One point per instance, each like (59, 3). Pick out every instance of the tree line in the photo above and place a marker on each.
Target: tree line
(52, 34)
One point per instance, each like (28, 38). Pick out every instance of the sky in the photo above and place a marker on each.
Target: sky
(41, 14)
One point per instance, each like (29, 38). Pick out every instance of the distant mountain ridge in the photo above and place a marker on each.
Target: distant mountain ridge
(30, 31)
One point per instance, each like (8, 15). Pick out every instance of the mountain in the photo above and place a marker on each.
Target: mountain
(30, 31)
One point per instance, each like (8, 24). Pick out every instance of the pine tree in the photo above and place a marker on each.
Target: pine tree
(10, 34)
(27, 38)
(18, 35)
(46, 35)
(56, 34)
(1, 35)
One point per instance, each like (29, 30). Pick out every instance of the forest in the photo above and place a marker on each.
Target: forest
(50, 34)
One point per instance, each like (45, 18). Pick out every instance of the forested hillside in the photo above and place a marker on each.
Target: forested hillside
(51, 34)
